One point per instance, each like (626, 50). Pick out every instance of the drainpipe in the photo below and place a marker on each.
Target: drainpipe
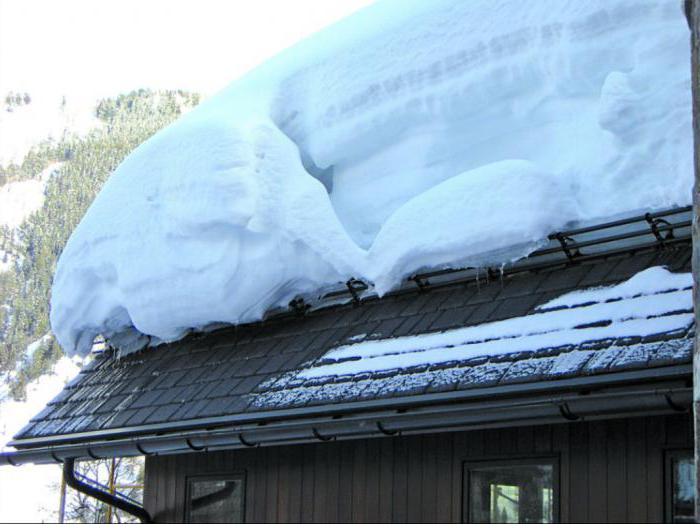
(103, 496)
(692, 12)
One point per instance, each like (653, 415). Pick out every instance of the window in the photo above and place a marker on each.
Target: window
(215, 498)
(680, 486)
(511, 491)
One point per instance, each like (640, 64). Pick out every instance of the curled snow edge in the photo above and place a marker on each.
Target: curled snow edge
(411, 135)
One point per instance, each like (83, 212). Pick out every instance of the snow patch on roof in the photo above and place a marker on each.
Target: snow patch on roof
(649, 313)
(648, 282)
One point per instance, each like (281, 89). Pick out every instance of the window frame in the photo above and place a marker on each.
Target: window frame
(670, 455)
(503, 462)
(215, 477)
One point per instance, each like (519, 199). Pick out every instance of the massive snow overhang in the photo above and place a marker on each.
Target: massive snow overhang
(413, 135)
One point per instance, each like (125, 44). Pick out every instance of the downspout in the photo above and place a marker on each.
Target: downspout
(103, 496)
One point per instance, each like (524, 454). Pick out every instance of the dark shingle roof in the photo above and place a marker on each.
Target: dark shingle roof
(260, 367)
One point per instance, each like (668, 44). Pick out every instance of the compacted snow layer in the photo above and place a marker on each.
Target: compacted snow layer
(412, 135)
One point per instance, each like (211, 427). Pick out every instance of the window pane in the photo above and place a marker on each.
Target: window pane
(683, 471)
(215, 500)
(511, 493)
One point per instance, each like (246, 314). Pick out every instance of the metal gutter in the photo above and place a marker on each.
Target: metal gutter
(591, 382)
(658, 396)
(72, 480)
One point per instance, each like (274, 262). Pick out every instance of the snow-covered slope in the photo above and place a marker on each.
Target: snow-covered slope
(18, 200)
(414, 134)
(30, 494)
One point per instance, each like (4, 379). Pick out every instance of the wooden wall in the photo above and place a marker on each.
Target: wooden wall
(611, 471)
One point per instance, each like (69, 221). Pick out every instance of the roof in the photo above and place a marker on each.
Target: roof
(471, 338)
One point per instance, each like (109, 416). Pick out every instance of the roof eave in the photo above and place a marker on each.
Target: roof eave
(652, 391)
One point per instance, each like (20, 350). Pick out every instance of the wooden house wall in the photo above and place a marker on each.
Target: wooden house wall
(610, 471)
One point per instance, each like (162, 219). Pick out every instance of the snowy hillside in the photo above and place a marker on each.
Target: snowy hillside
(29, 494)
(18, 200)
(412, 135)
(43, 118)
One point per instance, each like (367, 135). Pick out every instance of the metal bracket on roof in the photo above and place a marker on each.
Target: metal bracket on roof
(92, 455)
(654, 224)
(53, 456)
(421, 282)
(387, 432)
(568, 245)
(355, 286)
(299, 306)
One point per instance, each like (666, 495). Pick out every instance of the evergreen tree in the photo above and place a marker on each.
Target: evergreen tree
(86, 163)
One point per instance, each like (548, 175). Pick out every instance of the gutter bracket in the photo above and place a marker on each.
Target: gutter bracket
(245, 442)
(387, 432)
(193, 447)
(320, 437)
(566, 412)
(71, 480)
(673, 405)
(142, 451)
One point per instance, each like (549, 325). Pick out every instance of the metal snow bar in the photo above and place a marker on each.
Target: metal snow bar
(566, 241)
(69, 474)
(644, 392)
(628, 221)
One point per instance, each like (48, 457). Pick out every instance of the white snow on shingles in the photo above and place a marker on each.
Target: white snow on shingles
(415, 134)
(639, 307)
(653, 280)
(629, 328)
(638, 316)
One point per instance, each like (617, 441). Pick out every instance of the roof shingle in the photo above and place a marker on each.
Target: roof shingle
(265, 366)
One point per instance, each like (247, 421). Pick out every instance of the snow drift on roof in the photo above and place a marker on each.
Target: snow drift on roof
(411, 135)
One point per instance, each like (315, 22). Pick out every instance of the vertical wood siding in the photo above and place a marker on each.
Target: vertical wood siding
(610, 471)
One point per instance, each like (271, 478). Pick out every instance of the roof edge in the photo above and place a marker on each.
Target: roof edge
(642, 392)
